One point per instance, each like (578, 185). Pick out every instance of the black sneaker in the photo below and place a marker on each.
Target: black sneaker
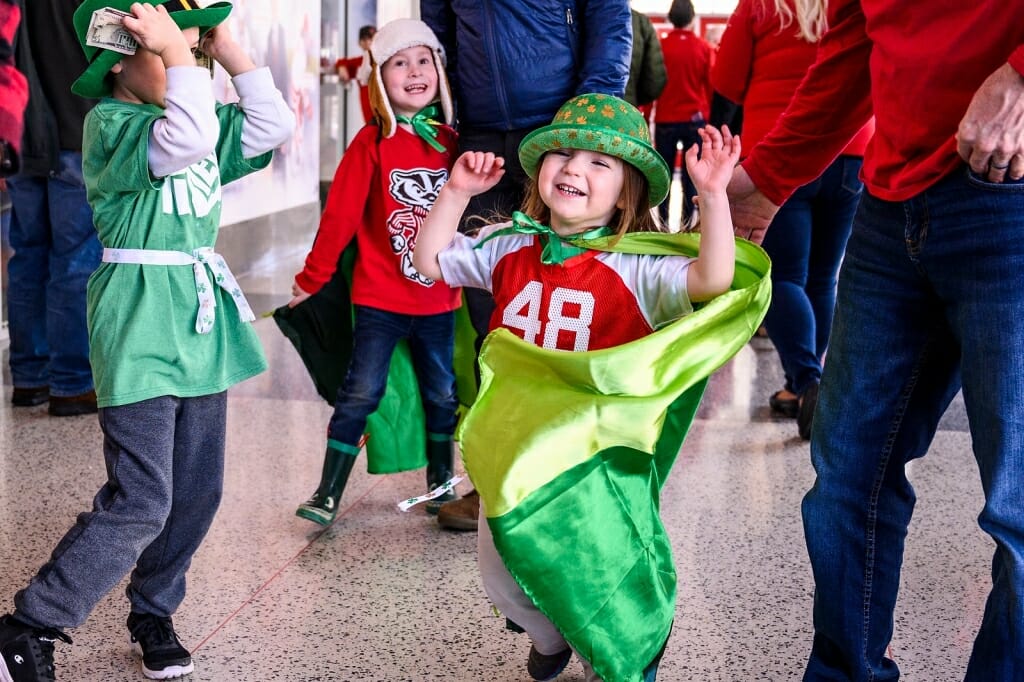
(26, 653)
(30, 397)
(546, 667)
(805, 416)
(163, 656)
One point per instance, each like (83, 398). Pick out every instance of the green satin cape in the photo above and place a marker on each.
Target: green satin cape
(569, 452)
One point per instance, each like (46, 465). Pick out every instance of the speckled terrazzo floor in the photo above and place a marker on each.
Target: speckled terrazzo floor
(388, 596)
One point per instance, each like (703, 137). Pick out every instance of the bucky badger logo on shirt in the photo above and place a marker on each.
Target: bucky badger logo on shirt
(416, 189)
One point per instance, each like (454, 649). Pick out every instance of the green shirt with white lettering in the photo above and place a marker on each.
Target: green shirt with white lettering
(142, 318)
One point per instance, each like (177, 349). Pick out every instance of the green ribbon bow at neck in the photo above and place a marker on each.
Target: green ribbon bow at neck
(424, 123)
(557, 249)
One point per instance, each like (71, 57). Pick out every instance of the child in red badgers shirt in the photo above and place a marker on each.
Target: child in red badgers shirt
(386, 183)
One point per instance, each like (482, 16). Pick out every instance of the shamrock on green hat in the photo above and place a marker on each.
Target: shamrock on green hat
(600, 123)
(93, 82)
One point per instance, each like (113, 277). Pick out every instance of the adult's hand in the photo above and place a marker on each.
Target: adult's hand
(752, 211)
(991, 133)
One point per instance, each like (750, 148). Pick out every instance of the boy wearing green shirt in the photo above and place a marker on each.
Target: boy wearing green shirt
(167, 338)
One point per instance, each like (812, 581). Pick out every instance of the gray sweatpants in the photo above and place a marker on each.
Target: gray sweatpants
(165, 472)
(506, 595)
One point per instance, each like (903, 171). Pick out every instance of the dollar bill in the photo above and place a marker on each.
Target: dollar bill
(106, 30)
(204, 60)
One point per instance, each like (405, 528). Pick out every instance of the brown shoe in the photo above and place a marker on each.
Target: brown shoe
(73, 405)
(30, 397)
(460, 514)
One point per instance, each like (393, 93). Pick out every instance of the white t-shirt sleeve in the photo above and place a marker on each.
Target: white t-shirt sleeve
(465, 265)
(188, 131)
(660, 286)
(269, 122)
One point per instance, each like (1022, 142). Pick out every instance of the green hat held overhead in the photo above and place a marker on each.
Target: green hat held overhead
(94, 81)
(600, 123)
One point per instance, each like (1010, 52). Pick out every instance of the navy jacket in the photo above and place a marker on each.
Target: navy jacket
(512, 63)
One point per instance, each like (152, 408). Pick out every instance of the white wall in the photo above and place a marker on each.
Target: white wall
(396, 9)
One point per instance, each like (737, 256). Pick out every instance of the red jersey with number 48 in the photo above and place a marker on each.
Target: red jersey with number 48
(594, 300)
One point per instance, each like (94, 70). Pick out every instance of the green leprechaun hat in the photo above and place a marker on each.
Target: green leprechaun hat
(94, 81)
(600, 123)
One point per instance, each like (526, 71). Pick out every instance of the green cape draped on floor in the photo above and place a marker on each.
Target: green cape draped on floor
(569, 452)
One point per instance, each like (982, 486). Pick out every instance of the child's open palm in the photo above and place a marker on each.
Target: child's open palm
(475, 173)
(720, 154)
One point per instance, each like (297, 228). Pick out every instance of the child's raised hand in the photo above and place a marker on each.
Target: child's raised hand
(720, 154)
(155, 30)
(475, 173)
(221, 46)
(218, 41)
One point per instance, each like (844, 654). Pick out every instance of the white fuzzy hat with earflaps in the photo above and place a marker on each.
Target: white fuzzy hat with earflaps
(390, 38)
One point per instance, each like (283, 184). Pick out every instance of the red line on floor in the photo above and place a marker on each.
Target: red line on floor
(288, 563)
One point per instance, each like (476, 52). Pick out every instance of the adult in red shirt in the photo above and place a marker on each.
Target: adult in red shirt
(685, 103)
(358, 69)
(763, 55)
(929, 299)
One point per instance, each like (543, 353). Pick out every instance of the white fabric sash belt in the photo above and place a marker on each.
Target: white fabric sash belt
(199, 259)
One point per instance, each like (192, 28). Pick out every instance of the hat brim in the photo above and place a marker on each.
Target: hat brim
(93, 83)
(606, 141)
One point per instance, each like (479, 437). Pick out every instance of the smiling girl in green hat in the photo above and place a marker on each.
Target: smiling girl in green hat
(569, 450)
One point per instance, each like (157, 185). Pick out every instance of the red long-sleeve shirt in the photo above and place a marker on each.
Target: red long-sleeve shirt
(351, 66)
(688, 59)
(916, 66)
(12, 82)
(380, 194)
(760, 65)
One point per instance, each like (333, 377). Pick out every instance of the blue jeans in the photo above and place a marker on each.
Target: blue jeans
(165, 472)
(666, 136)
(376, 333)
(806, 241)
(55, 250)
(929, 297)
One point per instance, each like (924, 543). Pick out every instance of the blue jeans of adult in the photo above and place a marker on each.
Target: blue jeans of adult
(666, 137)
(376, 332)
(55, 250)
(165, 474)
(806, 241)
(929, 299)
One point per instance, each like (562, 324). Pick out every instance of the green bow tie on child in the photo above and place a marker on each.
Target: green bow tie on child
(424, 123)
(557, 249)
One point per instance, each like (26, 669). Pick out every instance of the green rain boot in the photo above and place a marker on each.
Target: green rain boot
(322, 507)
(440, 466)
